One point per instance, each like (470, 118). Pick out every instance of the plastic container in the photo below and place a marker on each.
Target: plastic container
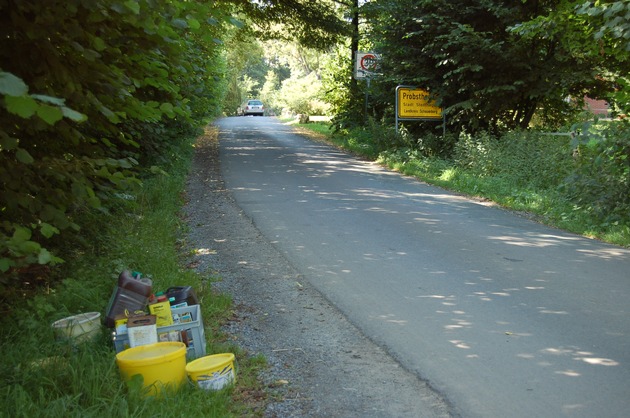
(182, 294)
(189, 324)
(212, 372)
(161, 365)
(78, 328)
(130, 295)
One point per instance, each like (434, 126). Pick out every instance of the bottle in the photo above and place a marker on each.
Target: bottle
(131, 294)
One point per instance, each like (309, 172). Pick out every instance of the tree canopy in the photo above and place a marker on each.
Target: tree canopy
(88, 91)
(493, 64)
(92, 91)
(316, 24)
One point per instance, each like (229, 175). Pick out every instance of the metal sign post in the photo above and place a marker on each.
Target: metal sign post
(366, 65)
(367, 93)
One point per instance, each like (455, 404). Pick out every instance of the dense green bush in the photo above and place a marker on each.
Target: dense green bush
(370, 140)
(600, 180)
(90, 91)
(529, 159)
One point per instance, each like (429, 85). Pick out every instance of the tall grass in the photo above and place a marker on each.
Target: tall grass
(41, 376)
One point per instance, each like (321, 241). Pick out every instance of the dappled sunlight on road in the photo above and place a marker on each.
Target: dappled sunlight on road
(606, 253)
(461, 331)
(460, 344)
(579, 355)
(391, 319)
(543, 310)
(460, 284)
(239, 150)
(533, 240)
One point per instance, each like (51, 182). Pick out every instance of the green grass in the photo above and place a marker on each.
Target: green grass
(43, 377)
(322, 128)
(508, 189)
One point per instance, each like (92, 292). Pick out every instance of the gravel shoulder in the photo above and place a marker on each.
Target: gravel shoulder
(326, 367)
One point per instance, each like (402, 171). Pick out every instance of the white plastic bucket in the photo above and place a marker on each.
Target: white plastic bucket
(212, 372)
(78, 328)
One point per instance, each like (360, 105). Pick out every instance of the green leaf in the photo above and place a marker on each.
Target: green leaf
(48, 230)
(49, 99)
(124, 163)
(29, 247)
(237, 23)
(110, 115)
(50, 114)
(23, 106)
(180, 23)
(166, 108)
(21, 234)
(94, 202)
(133, 6)
(5, 264)
(193, 23)
(8, 143)
(44, 256)
(99, 44)
(23, 156)
(91, 55)
(73, 114)
(12, 85)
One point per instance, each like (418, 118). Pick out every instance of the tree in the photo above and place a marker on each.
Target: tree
(596, 31)
(88, 92)
(246, 70)
(315, 24)
(92, 90)
(486, 76)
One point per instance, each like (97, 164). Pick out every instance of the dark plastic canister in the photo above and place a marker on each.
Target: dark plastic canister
(182, 294)
(131, 294)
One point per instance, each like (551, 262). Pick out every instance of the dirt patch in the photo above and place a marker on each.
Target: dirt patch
(320, 364)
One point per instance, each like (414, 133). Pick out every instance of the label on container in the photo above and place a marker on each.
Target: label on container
(216, 381)
(162, 311)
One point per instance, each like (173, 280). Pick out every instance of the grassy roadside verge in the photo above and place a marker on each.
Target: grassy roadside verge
(43, 377)
(546, 206)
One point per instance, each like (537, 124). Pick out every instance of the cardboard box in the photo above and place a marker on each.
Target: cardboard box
(142, 330)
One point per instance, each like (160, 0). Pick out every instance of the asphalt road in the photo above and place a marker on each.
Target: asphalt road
(503, 317)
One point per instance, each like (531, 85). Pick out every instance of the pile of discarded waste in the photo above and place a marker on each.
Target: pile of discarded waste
(157, 335)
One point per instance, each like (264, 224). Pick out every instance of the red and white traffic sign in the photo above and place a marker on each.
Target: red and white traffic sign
(366, 64)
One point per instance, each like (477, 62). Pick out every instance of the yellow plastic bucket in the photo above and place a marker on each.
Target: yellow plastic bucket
(212, 372)
(161, 365)
(78, 328)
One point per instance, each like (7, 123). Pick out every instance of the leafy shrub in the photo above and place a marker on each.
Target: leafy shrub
(369, 140)
(529, 159)
(434, 145)
(477, 153)
(534, 160)
(102, 92)
(600, 180)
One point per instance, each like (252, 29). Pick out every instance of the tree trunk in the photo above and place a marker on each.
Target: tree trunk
(354, 45)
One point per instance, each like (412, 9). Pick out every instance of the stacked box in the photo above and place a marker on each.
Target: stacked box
(187, 327)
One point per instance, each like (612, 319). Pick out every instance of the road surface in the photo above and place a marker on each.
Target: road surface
(503, 316)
